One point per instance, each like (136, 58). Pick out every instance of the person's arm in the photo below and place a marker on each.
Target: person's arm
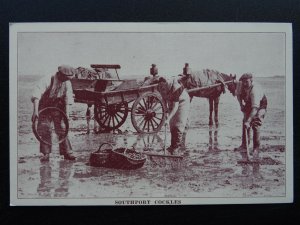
(240, 100)
(251, 116)
(35, 113)
(255, 102)
(38, 91)
(174, 99)
(238, 93)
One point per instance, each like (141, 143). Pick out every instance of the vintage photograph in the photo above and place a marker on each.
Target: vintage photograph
(151, 113)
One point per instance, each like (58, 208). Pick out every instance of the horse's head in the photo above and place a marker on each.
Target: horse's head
(230, 85)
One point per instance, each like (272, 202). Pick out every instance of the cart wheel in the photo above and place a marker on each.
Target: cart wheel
(111, 117)
(55, 121)
(148, 113)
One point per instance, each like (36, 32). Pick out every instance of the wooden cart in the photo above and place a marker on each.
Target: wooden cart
(114, 98)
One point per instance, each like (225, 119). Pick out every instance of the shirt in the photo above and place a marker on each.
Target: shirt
(253, 95)
(58, 90)
(171, 91)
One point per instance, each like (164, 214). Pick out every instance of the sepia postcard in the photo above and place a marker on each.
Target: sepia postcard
(150, 113)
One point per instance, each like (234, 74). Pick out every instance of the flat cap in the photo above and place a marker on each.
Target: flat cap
(67, 70)
(246, 76)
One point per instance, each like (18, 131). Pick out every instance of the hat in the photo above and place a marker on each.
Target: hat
(246, 76)
(153, 64)
(66, 70)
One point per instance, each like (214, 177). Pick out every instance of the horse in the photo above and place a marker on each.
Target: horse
(208, 77)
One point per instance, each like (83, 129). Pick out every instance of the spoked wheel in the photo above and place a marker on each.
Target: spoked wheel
(111, 116)
(148, 113)
(51, 121)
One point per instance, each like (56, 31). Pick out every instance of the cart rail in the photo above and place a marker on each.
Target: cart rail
(208, 87)
(90, 96)
(114, 92)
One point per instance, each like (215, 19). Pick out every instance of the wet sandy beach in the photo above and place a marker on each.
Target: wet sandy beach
(210, 167)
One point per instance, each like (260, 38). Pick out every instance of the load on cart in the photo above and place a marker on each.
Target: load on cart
(113, 99)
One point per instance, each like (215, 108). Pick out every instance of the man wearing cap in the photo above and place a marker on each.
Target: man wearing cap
(253, 103)
(55, 91)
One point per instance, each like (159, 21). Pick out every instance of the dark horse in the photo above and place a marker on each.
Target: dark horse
(209, 77)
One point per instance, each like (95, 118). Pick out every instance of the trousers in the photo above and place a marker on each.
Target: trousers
(44, 127)
(179, 121)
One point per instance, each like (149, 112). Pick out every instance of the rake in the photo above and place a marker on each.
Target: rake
(164, 155)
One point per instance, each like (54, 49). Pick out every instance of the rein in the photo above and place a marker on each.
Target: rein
(222, 80)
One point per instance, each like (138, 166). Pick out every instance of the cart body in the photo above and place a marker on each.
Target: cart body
(112, 97)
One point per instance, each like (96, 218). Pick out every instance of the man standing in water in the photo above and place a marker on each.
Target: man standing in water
(55, 91)
(178, 104)
(253, 103)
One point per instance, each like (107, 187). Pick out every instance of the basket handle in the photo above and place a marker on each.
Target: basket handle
(125, 151)
(99, 149)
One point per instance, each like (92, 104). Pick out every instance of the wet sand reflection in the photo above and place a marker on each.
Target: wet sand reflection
(54, 187)
(213, 139)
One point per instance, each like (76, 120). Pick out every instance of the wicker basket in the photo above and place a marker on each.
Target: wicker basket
(101, 157)
(127, 159)
(120, 158)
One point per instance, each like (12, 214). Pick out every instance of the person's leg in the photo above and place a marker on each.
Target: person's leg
(176, 137)
(187, 126)
(45, 150)
(65, 147)
(256, 124)
(243, 145)
(256, 137)
(179, 122)
(43, 129)
(256, 141)
(184, 122)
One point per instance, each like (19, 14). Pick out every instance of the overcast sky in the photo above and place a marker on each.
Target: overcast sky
(260, 53)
